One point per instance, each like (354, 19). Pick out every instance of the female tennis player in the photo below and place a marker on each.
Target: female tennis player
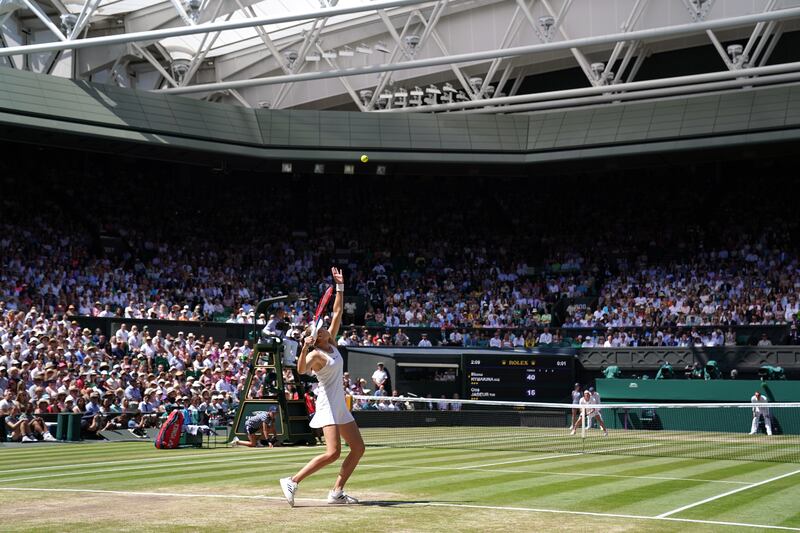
(320, 356)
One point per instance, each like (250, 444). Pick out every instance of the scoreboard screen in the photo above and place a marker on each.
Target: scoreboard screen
(523, 377)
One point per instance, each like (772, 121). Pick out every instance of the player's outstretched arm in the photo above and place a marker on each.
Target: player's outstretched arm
(302, 360)
(338, 303)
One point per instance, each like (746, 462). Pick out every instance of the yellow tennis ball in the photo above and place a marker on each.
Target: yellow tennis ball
(364, 158)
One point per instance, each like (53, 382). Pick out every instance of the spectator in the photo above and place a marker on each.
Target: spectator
(379, 377)
(442, 404)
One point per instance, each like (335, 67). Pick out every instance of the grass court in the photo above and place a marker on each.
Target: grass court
(132, 486)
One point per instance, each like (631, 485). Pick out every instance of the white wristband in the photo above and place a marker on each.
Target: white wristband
(340, 287)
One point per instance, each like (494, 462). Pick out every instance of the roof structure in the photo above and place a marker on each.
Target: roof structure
(401, 56)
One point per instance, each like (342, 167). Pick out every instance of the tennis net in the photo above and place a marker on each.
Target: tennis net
(736, 431)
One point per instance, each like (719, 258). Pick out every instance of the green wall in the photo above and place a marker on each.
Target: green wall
(728, 419)
(687, 390)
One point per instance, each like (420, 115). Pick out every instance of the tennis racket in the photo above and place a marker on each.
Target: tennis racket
(316, 325)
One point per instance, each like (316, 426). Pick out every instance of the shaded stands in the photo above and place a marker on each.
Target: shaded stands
(694, 391)
(747, 360)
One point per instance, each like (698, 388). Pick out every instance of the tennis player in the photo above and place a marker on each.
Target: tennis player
(576, 400)
(320, 356)
(760, 409)
(589, 413)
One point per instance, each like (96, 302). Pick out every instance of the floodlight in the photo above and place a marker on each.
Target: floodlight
(290, 55)
(411, 41)
(365, 95)
(735, 51)
(68, 21)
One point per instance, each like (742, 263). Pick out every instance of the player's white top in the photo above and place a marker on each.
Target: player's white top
(760, 408)
(331, 407)
(585, 403)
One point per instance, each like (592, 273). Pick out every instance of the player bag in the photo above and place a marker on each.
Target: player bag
(169, 436)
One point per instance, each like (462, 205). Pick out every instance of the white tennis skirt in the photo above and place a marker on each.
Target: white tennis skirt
(326, 416)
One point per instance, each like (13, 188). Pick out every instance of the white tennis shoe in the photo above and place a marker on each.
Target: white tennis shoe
(234, 442)
(572, 432)
(341, 498)
(289, 487)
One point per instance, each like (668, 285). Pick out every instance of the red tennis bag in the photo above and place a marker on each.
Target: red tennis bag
(169, 436)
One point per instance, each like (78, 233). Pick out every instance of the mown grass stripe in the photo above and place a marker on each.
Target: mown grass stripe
(750, 489)
(758, 499)
(793, 520)
(568, 493)
(642, 492)
(43, 459)
(249, 461)
(165, 455)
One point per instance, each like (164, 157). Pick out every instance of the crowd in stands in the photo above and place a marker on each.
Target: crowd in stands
(481, 258)
(127, 382)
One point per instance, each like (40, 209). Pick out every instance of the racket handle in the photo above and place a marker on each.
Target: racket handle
(340, 287)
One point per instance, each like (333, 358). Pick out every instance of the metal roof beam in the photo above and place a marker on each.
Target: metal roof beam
(203, 28)
(791, 77)
(748, 75)
(41, 15)
(650, 33)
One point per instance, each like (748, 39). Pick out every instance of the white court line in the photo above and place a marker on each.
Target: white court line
(729, 493)
(415, 504)
(607, 515)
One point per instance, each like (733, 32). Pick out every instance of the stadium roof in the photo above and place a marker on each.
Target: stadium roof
(400, 55)
(235, 40)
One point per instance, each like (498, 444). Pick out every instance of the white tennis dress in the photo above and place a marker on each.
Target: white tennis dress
(331, 407)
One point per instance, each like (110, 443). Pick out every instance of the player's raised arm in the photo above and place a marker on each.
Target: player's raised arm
(302, 360)
(338, 303)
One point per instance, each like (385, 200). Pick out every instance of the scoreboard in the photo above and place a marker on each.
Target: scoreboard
(523, 377)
